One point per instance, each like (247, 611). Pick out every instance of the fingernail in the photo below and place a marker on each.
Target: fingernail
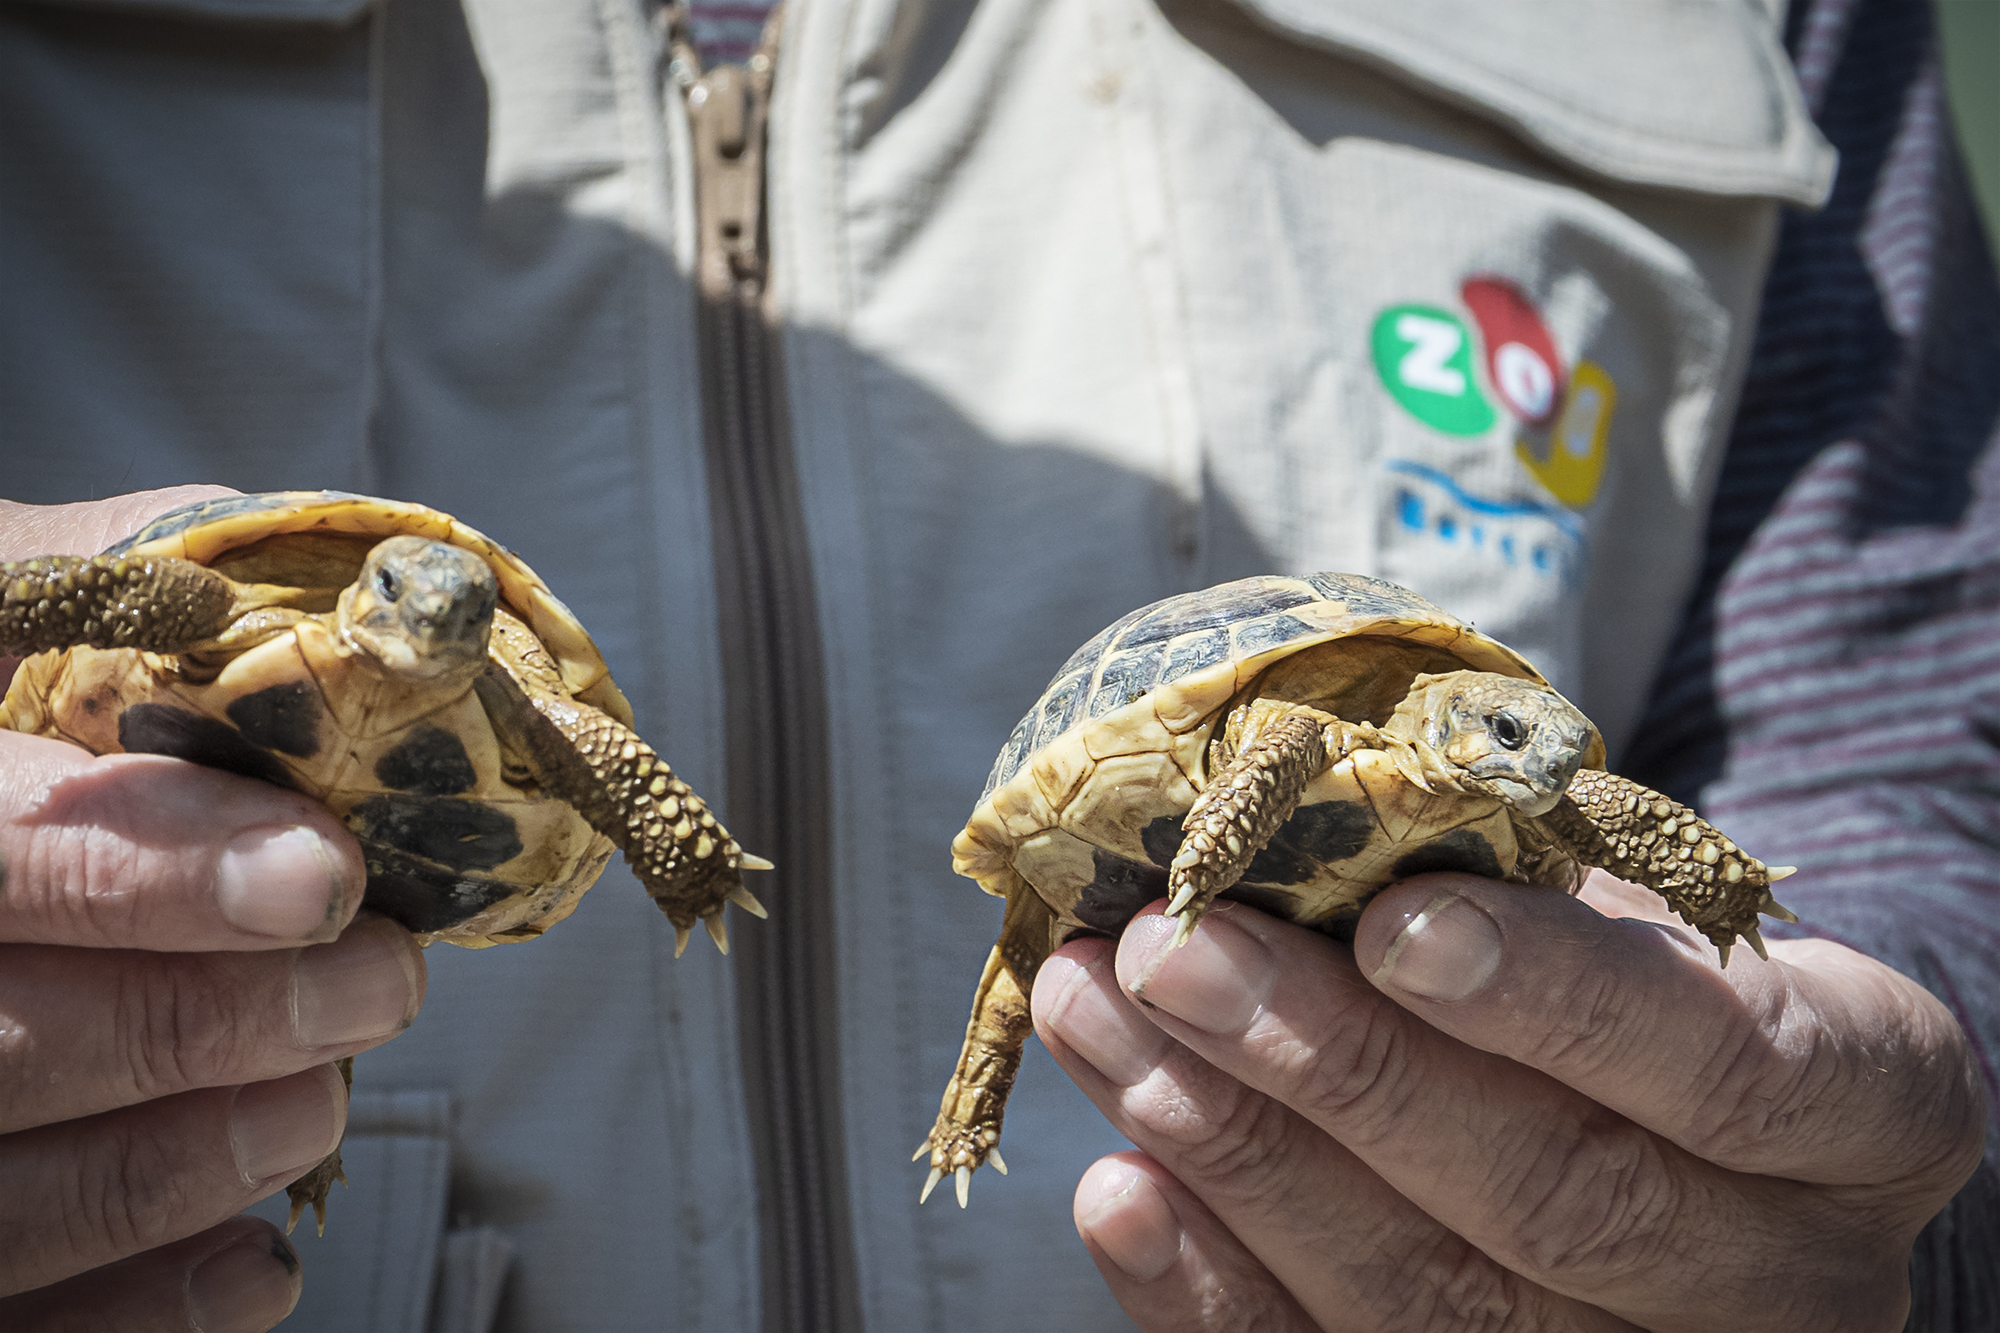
(1097, 1022)
(280, 882)
(1217, 981)
(1445, 952)
(244, 1287)
(362, 986)
(1121, 1210)
(282, 1127)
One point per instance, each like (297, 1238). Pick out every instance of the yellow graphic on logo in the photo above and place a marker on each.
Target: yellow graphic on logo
(1578, 442)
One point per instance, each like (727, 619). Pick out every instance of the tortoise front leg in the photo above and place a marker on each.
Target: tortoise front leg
(154, 603)
(1641, 836)
(1248, 800)
(967, 1132)
(687, 861)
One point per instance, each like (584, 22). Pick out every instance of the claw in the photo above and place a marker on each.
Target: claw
(680, 940)
(747, 900)
(749, 862)
(1776, 873)
(929, 1185)
(1181, 900)
(1725, 955)
(964, 1174)
(993, 1160)
(1755, 941)
(716, 930)
(1776, 910)
(922, 1148)
(1185, 932)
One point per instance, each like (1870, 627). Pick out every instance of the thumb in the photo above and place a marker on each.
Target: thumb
(148, 852)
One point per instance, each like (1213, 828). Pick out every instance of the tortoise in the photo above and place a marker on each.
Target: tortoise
(1295, 744)
(390, 661)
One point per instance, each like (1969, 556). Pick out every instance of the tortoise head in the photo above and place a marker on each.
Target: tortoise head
(1515, 740)
(421, 608)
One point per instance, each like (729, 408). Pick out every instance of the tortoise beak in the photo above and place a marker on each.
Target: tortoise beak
(1533, 782)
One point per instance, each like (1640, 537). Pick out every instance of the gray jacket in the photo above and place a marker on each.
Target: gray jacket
(1081, 304)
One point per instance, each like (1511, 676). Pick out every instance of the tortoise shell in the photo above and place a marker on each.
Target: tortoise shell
(460, 843)
(1087, 797)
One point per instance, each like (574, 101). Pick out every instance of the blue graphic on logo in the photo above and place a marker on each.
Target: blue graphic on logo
(1516, 533)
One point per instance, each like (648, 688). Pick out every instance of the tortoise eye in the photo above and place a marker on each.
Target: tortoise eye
(388, 584)
(1507, 729)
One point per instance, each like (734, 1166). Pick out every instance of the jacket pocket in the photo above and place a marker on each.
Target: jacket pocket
(1694, 96)
(376, 1267)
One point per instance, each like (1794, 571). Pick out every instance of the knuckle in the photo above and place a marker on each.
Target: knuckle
(1249, 1150)
(74, 884)
(1214, 1129)
(128, 1193)
(175, 1026)
(1577, 1031)
(1351, 1075)
(1755, 1100)
(1452, 1287)
(1605, 1210)
(1912, 1094)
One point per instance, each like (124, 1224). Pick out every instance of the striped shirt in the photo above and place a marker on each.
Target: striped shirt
(1833, 695)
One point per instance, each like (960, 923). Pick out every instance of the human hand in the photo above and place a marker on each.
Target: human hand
(1505, 1109)
(174, 985)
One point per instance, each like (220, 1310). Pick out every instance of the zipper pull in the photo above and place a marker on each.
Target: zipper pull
(726, 110)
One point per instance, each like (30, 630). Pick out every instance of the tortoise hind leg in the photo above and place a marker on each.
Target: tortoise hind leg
(967, 1132)
(313, 1187)
(687, 861)
(155, 603)
(1641, 836)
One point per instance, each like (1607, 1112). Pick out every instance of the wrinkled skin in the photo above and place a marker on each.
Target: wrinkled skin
(1507, 1109)
(192, 1002)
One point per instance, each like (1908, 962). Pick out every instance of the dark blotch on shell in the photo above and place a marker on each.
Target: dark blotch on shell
(1271, 902)
(430, 761)
(1339, 926)
(197, 738)
(1461, 849)
(1118, 890)
(420, 894)
(281, 717)
(1315, 836)
(1162, 838)
(455, 833)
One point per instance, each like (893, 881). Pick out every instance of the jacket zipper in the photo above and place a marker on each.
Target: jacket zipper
(775, 711)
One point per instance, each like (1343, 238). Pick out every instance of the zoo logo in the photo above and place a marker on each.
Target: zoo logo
(1424, 355)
